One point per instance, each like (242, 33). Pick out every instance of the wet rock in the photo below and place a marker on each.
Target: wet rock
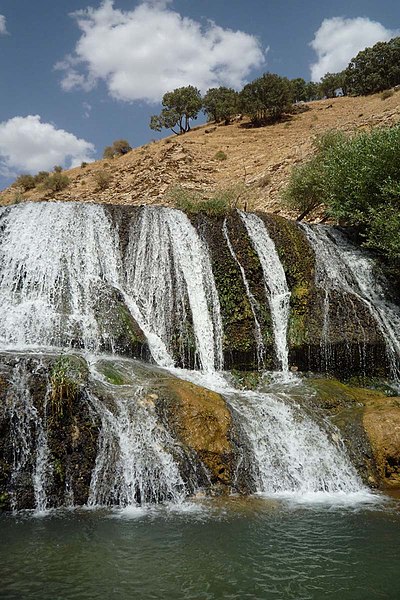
(369, 422)
(381, 421)
(201, 421)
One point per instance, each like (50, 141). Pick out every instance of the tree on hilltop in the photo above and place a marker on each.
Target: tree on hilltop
(330, 82)
(266, 98)
(180, 106)
(374, 69)
(220, 104)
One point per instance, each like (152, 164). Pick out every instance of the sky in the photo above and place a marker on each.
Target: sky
(75, 75)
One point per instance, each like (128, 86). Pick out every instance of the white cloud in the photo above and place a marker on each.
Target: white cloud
(3, 28)
(338, 40)
(27, 144)
(143, 53)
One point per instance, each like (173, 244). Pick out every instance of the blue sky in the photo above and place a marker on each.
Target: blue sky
(77, 75)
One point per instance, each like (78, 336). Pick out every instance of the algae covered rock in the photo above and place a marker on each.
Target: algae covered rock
(201, 420)
(48, 437)
(381, 421)
(369, 422)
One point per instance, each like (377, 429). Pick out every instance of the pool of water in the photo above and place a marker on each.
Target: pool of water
(231, 549)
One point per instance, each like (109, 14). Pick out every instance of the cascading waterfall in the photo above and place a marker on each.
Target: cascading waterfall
(133, 464)
(275, 283)
(343, 267)
(168, 273)
(252, 300)
(293, 454)
(55, 259)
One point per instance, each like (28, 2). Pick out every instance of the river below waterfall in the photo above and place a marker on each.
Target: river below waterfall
(233, 548)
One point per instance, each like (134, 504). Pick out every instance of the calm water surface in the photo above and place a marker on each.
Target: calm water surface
(233, 549)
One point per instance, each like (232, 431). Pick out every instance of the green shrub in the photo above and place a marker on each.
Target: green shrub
(102, 179)
(56, 182)
(41, 177)
(223, 200)
(358, 179)
(220, 155)
(65, 381)
(83, 164)
(26, 182)
(57, 169)
(386, 94)
(118, 148)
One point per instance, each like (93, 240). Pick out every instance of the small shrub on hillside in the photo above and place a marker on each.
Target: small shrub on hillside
(386, 94)
(56, 182)
(83, 164)
(57, 169)
(264, 181)
(41, 177)
(108, 152)
(220, 155)
(102, 179)
(222, 201)
(18, 197)
(234, 196)
(118, 148)
(26, 182)
(121, 147)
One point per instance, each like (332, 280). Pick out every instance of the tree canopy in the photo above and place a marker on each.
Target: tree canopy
(374, 69)
(266, 98)
(220, 104)
(180, 107)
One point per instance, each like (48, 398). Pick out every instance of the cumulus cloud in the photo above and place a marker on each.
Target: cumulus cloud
(338, 40)
(3, 28)
(27, 144)
(143, 53)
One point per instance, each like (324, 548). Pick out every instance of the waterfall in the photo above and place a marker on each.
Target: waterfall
(55, 260)
(60, 263)
(343, 267)
(252, 300)
(134, 463)
(275, 283)
(293, 454)
(29, 440)
(169, 273)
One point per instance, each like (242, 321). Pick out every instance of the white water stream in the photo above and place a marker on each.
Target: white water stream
(276, 287)
(169, 273)
(133, 464)
(343, 267)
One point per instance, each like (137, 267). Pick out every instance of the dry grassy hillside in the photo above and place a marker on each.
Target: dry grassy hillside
(261, 158)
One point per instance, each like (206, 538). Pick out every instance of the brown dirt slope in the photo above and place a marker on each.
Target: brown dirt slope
(260, 158)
